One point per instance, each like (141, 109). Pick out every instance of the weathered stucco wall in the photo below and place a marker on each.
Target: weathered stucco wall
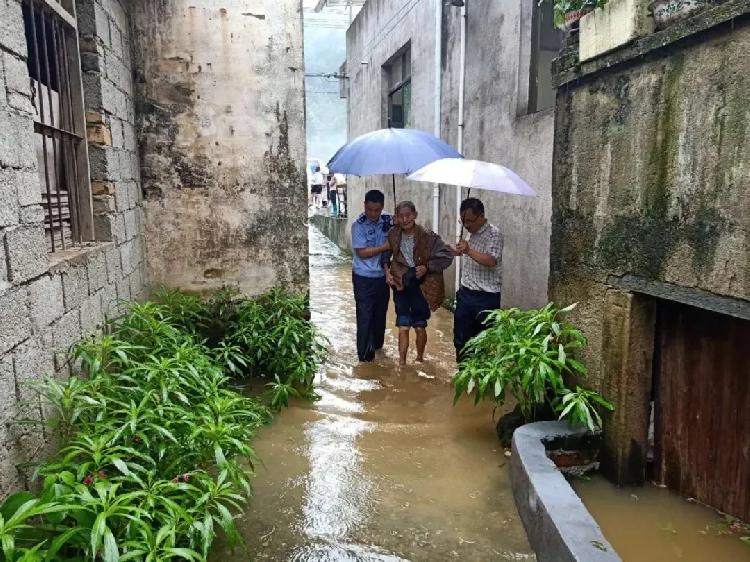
(379, 31)
(221, 109)
(50, 301)
(498, 128)
(651, 179)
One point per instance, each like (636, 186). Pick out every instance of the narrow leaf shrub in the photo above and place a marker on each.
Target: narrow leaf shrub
(269, 337)
(527, 354)
(155, 456)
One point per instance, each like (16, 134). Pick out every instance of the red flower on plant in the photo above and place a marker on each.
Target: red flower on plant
(89, 480)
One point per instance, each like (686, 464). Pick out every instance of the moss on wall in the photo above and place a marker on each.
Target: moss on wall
(651, 179)
(650, 176)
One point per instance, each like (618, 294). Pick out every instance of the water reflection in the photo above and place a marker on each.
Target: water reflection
(337, 489)
(382, 467)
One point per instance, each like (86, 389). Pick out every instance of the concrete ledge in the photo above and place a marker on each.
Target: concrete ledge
(568, 69)
(739, 308)
(615, 24)
(559, 527)
(335, 229)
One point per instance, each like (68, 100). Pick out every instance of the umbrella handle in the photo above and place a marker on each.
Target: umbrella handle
(460, 237)
(393, 179)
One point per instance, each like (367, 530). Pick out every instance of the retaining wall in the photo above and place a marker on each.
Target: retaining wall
(558, 525)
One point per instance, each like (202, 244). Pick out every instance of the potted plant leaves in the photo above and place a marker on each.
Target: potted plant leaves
(569, 12)
(527, 354)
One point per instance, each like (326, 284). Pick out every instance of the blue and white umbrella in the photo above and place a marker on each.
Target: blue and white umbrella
(390, 151)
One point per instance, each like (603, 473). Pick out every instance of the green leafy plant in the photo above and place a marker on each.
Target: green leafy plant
(579, 407)
(526, 354)
(156, 454)
(270, 336)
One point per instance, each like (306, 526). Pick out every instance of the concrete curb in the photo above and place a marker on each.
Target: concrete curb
(336, 229)
(559, 527)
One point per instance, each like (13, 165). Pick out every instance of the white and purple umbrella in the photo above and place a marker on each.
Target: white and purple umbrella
(473, 174)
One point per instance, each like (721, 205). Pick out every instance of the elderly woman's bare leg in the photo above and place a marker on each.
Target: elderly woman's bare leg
(403, 344)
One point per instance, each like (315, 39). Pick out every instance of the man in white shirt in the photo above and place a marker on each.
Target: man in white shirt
(317, 186)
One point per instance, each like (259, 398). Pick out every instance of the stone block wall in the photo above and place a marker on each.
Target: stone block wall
(50, 301)
(222, 132)
(106, 59)
(650, 197)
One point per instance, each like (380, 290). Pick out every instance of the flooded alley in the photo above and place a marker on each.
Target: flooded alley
(383, 467)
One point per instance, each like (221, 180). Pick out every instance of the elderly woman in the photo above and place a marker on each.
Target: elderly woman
(414, 268)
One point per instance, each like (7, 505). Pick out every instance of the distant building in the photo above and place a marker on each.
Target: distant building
(325, 25)
(392, 52)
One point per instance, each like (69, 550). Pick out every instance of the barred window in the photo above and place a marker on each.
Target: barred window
(59, 121)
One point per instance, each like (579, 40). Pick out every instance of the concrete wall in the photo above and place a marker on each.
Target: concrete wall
(221, 100)
(652, 167)
(336, 229)
(50, 301)
(497, 126)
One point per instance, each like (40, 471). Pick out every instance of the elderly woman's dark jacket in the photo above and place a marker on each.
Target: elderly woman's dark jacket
(430, 251)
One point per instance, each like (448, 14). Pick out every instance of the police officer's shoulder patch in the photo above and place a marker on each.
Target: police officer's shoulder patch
(387, 221)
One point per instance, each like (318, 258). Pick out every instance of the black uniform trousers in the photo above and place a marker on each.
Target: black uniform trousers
(471, 311)
(372, 296)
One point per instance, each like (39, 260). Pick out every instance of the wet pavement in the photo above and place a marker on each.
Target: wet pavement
(383, 467)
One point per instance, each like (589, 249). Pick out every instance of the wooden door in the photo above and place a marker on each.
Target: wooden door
(702, 421)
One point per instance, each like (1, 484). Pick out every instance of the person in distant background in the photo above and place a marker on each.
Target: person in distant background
(317, 186)
(332, 195)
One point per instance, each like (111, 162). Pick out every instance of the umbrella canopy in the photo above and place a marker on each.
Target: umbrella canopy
(473, 174)
(390, 151)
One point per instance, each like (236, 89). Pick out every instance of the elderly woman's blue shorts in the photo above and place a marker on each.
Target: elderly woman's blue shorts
(412, 310)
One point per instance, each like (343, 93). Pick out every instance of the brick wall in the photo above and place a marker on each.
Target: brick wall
(50, 301)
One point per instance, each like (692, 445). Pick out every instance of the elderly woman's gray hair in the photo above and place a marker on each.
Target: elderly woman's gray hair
(403, 205)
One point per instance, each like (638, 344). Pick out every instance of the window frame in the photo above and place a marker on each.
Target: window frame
(54, 32)
(404, 88)
(528, 94)
(401, 60)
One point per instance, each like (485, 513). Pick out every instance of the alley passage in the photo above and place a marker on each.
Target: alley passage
(383, 467)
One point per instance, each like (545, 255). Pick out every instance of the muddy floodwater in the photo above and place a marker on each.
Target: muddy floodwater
(383, 467)
(651, 524)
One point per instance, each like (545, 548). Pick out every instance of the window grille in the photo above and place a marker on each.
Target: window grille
(59, 127)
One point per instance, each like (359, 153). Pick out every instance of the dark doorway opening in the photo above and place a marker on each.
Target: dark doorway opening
(702, 406)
